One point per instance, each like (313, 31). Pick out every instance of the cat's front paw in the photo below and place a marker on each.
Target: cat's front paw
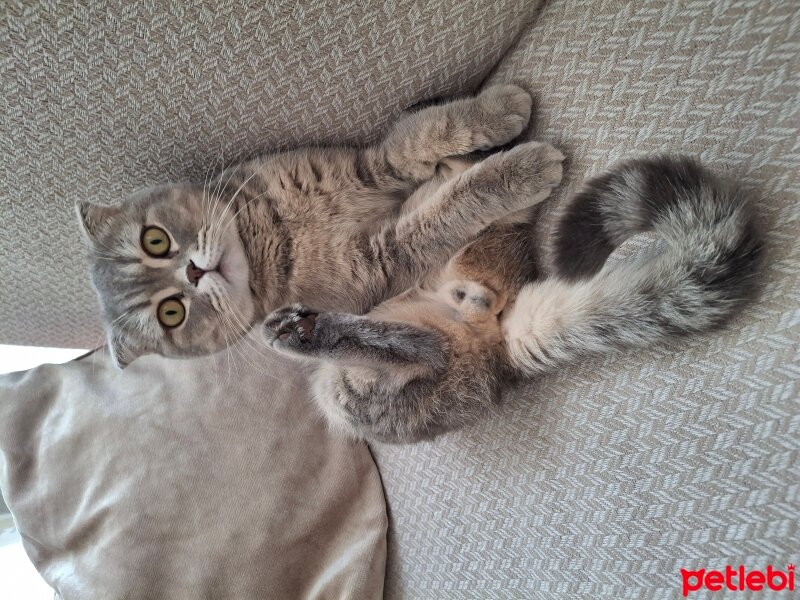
(290, 326)
(503, 113)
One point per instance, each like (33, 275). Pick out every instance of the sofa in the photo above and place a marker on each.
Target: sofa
(604, 479)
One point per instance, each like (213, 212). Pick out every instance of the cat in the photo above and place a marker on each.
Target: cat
(187, 269)
(513, 305)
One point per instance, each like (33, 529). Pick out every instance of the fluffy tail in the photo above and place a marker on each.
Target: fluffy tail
(705, 273)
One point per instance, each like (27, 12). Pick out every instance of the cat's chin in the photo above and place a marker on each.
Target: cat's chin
(232, 266)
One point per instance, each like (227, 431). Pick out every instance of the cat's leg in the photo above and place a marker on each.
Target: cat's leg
(354, 341)
(382, 379)
(425, 238)
(418, 141)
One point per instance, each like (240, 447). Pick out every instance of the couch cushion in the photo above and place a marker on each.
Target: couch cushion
(610, 476)
(206, 478)
(104, 98)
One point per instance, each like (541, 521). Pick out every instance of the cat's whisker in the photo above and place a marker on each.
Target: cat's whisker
(241, 328)
(101, 248)
(240, 331)
(246, 358)
(250, 344)
(224, 334)
(104, 335)
(214, 197)
(234, 344)
(207, 178)
(230, 177)
(233, 198)
(227, 346)
(221, 186)
(209, 202)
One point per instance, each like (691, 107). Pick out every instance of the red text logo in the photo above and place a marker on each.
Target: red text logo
(738, 580)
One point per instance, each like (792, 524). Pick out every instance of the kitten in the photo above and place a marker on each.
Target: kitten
(186, 269)
(508, 306)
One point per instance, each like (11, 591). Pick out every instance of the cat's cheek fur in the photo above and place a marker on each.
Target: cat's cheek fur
(234, 269)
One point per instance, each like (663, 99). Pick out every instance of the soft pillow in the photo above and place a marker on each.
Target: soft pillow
(206, 478)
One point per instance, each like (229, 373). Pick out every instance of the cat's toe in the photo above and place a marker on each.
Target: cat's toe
(274, 319)
(300, 325)
(550, 163)
(473, 300)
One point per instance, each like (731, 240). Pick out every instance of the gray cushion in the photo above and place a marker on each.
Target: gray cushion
(608, 477)
(179, 480)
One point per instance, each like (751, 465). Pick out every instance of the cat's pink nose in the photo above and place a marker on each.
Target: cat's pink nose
(194, 273)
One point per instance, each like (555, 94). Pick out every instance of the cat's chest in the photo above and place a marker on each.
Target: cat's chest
(319, 208)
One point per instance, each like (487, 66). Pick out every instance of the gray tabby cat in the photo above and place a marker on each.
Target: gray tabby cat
(186, 269)
(436, 357)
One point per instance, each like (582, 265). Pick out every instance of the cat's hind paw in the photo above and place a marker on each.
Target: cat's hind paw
(473, 301)
(503, 112)
(528, 172)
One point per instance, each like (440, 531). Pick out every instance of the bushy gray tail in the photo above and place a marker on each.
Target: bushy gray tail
(704, 274)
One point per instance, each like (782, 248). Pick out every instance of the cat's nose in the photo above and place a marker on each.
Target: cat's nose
(194, 273)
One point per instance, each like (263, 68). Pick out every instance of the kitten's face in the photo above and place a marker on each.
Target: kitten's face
(171, 273)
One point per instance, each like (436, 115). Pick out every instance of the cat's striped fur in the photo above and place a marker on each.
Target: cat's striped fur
(339, 228)
(376, 229)
(438, 356)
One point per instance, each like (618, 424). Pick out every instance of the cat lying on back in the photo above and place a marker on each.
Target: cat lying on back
(437, 356)
(185, 269)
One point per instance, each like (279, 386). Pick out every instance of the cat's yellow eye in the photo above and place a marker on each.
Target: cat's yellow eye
(155, 241)
(171, 312)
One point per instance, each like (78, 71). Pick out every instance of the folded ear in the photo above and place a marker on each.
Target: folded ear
(122, 352)
(94, 219)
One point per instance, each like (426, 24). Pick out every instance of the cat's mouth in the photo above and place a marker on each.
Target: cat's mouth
(195, 273)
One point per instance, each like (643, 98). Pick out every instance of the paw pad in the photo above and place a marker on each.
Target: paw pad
(302, 324)
(295, 323)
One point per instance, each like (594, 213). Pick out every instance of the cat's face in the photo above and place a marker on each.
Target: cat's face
(170, 271)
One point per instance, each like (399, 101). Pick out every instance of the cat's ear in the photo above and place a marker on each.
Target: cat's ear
(123, 352)
(94, 219)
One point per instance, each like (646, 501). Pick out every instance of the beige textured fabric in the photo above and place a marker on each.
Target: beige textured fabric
(606, 479)
(100, 98)
(183, 480)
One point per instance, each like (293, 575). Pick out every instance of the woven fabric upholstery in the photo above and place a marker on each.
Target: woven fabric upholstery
(100, 98)
(607, 478)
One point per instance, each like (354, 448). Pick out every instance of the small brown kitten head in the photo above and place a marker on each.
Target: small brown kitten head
(170, 271)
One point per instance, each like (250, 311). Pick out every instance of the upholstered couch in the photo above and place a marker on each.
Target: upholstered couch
(603, 479)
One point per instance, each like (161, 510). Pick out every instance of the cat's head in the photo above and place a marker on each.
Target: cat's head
(170, 271)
